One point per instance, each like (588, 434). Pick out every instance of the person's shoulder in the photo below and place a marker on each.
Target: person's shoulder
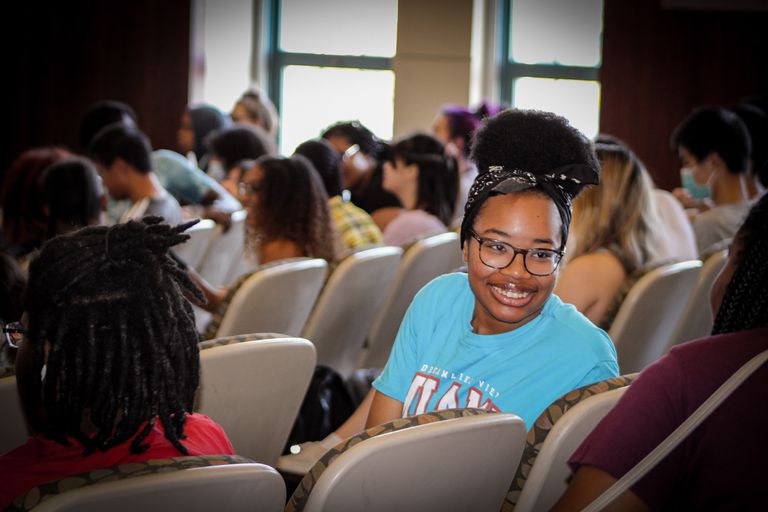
(165, 158)
(576, 327)
(736, 346)
(602, 266)
(446, 287)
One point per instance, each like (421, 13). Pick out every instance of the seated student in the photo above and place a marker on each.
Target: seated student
(231, 145)
(24, 218)
(715, 466)
(361, 169)
(122, 155)
(73, 196)
(454, 126)
(675, 240)
(12, 282)
(714, 147)
(256, 109)
(197, 122)
(497, 337)
(108, 363)
(613, 242)
(355, 226)
(182, 179)
(426, 182)
(288, 217)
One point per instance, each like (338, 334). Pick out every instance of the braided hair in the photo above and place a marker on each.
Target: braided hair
(106, 305)
(745, 303)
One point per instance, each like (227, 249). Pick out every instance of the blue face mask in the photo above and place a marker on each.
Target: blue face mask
(694, 189)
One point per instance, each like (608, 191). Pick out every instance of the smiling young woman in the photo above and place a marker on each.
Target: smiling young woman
(496, 337)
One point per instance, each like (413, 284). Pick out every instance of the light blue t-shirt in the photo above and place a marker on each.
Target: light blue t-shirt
(186, 182)
(437, 362)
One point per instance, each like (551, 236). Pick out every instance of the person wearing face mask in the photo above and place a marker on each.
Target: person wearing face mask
(714, 147)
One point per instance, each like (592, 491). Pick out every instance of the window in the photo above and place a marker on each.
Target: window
(551, 56)
(331, 61)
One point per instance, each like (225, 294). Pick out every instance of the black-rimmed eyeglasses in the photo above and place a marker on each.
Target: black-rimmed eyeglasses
(14, 334)
(497, 254)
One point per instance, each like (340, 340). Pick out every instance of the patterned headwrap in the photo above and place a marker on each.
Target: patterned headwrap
(562, 186)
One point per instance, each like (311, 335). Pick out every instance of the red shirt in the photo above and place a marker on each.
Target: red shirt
(41, 460)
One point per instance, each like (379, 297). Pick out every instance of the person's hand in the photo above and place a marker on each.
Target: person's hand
(691, 203)
(219, 217)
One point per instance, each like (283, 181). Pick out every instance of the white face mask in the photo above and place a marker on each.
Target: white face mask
(216, 170)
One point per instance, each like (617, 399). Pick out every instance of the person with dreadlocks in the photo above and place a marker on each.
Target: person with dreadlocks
(108, 362)
(715, 466)
(497, 337)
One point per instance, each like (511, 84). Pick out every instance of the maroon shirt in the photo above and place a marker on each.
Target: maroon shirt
(723, 464)
(41, 460)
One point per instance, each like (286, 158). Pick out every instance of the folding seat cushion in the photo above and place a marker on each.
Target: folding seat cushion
(301, 494)
(42, 492)
(544, 423)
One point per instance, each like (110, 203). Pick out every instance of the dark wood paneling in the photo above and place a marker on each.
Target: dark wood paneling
(660, 64)
(67, 55)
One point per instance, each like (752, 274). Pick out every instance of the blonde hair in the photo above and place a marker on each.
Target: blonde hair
(620, 213)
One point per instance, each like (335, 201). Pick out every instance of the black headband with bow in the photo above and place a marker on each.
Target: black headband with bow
(562, 185)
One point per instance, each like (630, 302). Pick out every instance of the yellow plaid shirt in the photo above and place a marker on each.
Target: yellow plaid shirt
(355, 226)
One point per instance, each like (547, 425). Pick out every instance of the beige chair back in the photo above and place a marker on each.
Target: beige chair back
(465, 463)
(696, 319)
(422, 262)
(193, 250)
(235, 487)
(345, 310)
(224, 250)
(277, 298)
(254, 390)
(13, 429)
(548, 477)
(648, 316)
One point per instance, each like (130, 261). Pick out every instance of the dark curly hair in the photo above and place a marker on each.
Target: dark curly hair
(745, 303)
(73, 192)
(438, 181)
(326, 161)
(106, 305)
(532, 141)
(25, 220)
(291, 203)
(239, 142)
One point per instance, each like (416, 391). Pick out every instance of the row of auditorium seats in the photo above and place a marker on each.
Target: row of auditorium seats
(253, 386)
(366, 297)
(352, 317)
(667, 306)
(465, 459)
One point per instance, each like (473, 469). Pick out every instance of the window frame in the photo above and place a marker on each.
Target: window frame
(278, 59)
(510, 70)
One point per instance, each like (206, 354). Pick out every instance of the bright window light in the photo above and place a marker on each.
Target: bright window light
(339, 27)
(227, 36)
(566, 32)
(316, 97)
(576, 100)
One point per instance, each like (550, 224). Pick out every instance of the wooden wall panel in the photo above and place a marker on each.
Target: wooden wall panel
(64, 56)
(660, 64)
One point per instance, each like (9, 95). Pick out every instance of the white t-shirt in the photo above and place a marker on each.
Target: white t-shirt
(675, 238)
